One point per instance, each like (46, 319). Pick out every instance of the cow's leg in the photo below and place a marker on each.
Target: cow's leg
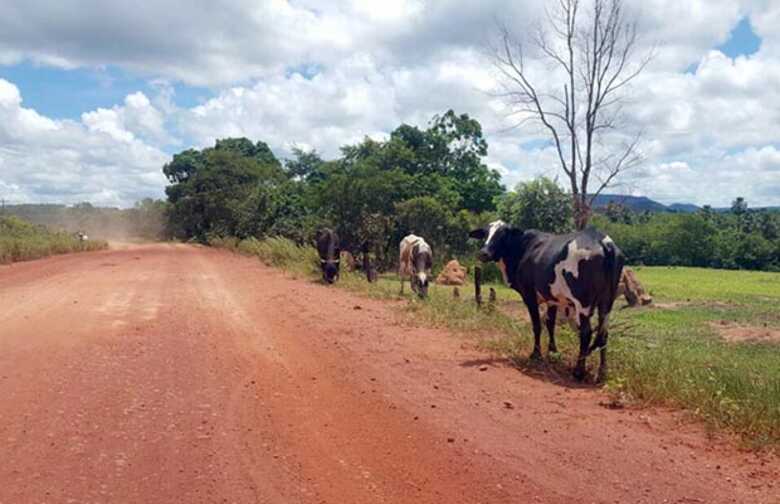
(551, 314)
(536, 324)
(585, 334)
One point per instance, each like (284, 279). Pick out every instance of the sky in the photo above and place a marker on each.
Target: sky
(96, 96)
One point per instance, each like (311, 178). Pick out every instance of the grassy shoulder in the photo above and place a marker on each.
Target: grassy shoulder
(670, 354)
(22, 241)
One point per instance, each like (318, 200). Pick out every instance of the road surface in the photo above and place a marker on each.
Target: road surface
(181, 374)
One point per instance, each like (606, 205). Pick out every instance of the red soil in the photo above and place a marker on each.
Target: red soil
(165, 373)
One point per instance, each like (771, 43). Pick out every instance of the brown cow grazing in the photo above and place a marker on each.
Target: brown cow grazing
(330, 254)
(416, 260)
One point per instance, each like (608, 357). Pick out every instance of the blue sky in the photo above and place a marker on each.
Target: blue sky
(92, 105)
(742, 40)
(66, 94)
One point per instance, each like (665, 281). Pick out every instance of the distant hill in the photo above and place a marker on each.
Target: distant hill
(683, 207)
(636, 203)
(643, 203)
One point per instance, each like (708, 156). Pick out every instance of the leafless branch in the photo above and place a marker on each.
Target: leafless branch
(597, 55)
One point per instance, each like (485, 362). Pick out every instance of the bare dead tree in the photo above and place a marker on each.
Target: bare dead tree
(595, 56)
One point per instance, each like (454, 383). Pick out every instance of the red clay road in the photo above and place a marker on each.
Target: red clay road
(180, 374)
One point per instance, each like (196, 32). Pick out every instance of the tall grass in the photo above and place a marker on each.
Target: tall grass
(22, 241)
(276, 251)
(657, 356)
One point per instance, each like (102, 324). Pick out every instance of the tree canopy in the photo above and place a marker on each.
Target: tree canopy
(432, 182)
(372, 193)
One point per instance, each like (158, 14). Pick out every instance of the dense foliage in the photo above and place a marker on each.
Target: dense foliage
(431, 182)
(538, 204)
(735, 239)
(428, 181)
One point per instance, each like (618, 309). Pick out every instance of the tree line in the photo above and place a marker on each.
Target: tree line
(432, 182)
(740, 238)
(147, 219)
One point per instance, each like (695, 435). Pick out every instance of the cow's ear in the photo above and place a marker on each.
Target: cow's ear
(479, 234)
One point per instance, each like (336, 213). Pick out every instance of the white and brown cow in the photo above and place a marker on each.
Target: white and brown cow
(578, 271)
(415, 262)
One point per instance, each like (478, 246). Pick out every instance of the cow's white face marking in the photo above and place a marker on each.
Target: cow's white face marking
(607, 240)
(421, 276)
(560, 288)
(492, 228)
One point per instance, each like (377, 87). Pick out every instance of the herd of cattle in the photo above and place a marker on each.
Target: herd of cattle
(577, 272)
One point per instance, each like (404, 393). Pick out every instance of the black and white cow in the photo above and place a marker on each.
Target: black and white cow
(330, 254)
(576, 271)
(415, 262)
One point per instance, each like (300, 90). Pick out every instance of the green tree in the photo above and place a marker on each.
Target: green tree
(753, 251)
(539, 204)
(209, 188)
(305, 165)
(739, 206)
(425, 216)
(680, 233)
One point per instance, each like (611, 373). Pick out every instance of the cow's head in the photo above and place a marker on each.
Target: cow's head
(421, 265)
(330, 269)
(496, 236)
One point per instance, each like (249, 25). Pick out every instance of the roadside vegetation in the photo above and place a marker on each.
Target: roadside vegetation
(671, 354)
(147, 220)
(22, 241)
(434, 182)
(736, 238)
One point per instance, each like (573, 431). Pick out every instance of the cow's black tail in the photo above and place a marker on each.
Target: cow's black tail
(613, 269)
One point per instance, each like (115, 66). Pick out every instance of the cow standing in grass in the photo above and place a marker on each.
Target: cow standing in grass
(576, 271)
(330, 254)
(416, 260)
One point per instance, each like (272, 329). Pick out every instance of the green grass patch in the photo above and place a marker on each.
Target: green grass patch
(673, 355)
(277, 252)
(22, 241)
(670, 355)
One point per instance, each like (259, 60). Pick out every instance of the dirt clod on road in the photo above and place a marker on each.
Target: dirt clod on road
(173, 373)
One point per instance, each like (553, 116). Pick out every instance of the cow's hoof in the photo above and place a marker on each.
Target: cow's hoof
(579, 374)
(536, 355)
(602, 377)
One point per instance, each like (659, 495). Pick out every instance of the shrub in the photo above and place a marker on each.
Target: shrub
(22, 241)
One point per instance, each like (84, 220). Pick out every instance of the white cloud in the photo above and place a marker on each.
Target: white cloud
(323, 75)
(138, 118)
(43, 160)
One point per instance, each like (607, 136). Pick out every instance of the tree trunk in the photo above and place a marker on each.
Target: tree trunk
(581, 212)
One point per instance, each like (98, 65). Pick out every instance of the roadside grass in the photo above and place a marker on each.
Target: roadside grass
(22, 241)
(277, 252)
(668, 355)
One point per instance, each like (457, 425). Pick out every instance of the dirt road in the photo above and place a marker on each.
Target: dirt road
(179, 374)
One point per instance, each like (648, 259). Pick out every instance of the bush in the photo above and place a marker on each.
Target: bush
(276, 251)
(539, 204)
(22, 241)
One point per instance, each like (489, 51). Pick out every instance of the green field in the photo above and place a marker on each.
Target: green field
(22, 241)
(669, 354)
